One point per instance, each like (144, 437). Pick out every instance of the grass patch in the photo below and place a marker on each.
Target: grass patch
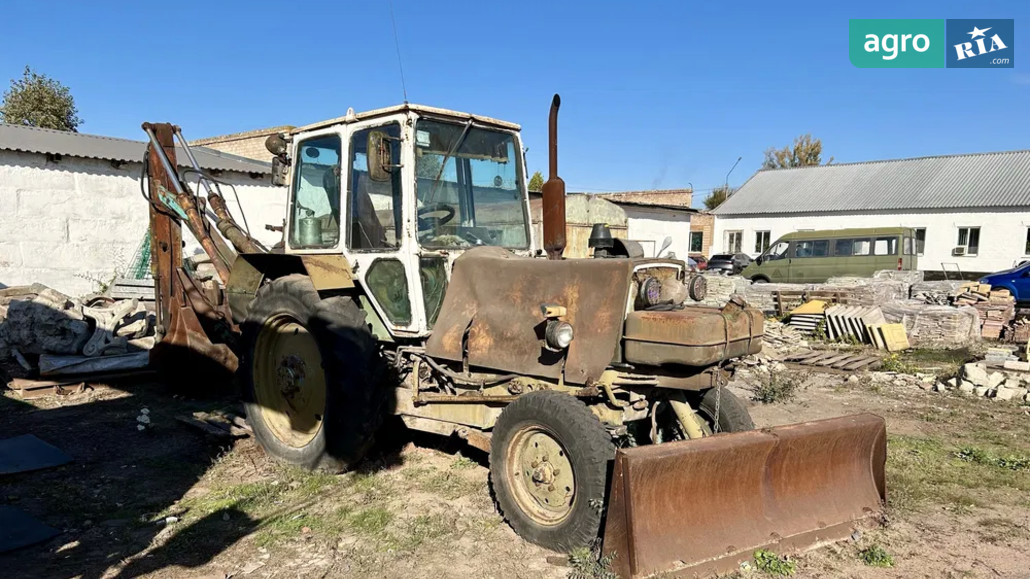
(926, 471)
(371, 522)
(876, 556)
(1000, 530)
(450, 485)
(980, 456)
(463, 463)
(895, 363)
(772, 564)
(426, 528)
(776, 386)
(588, 563)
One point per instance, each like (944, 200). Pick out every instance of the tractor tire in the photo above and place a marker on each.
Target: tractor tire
(311, 376)
(733, 413)
(549, 462)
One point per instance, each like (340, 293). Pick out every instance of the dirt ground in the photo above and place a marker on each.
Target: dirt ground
(176, 502)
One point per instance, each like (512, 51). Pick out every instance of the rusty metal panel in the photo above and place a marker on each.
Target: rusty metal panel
(692, 336)
(492, 309)
(703, 506)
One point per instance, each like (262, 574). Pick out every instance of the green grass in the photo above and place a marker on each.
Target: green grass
(371, 522)
(876, 556)
(925, 470)
(772, 564)
(588, 563)
(450, 485)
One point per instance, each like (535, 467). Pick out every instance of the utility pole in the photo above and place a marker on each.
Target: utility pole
(726, 183)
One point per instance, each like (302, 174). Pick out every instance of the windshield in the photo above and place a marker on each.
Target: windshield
(468, 181)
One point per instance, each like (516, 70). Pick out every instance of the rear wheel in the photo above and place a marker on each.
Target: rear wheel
(722, 408)
(549, 467)
(759, 279)
(311, 376)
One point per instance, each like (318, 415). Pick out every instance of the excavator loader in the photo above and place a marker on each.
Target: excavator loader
(410, 282)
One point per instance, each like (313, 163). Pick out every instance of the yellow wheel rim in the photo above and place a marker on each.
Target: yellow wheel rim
(289, 383)
(541, 476)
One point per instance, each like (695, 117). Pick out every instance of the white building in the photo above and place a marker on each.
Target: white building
(651, 216)
(72, 214)
(970, 212)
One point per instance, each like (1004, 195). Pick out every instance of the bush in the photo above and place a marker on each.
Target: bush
(773, 564)
(776, 386)
(877, 556)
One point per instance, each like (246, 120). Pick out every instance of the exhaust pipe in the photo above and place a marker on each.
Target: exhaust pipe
(554, 191)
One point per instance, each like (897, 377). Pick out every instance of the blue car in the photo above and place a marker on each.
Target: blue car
(1016, 280)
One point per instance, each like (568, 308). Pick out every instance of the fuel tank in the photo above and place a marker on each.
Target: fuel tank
(692, 336)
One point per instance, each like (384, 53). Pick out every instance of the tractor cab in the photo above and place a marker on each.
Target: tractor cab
(400, 193)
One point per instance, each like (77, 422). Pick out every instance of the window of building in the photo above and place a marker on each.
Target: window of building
(697, 241)
(733, 241)
(1026, 250)
(920, 240)
(816, 248)
(885, 246)
(969, 240)
(761, 241)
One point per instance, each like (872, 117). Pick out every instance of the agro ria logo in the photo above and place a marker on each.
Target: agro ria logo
(981, 43)
(977, 44)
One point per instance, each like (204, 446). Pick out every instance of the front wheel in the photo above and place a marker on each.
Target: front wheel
(723, 410)
(311, 376)
(549, 468)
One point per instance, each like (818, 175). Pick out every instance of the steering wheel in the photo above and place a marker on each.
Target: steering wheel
(425, 223)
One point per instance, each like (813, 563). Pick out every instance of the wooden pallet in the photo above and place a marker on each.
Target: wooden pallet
(787, 300)
(835, 360)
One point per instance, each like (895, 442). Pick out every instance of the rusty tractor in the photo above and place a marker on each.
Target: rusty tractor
(410, 282)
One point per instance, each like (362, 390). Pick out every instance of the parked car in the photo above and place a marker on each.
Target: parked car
(700, 260)
(1016, 280)
(815, 256)
(728, 263)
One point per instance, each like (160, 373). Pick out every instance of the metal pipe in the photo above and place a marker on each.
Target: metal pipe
(553, 191)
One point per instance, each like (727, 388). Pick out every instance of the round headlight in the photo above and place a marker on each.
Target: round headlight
(650, 291)
(558, 334)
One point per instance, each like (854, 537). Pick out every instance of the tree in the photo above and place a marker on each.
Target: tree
(717, 196)
(36, 100)
(536, 182)
(805, 151)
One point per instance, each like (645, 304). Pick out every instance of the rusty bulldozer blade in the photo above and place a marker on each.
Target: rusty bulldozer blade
(703, 506)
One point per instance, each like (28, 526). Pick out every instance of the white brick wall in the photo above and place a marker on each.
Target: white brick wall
(78, 222)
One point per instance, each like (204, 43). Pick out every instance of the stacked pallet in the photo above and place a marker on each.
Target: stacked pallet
(807, 317)
(865, 325)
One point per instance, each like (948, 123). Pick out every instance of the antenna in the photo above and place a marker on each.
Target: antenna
(397, 45)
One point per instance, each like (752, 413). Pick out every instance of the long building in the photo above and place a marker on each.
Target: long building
(971, 213)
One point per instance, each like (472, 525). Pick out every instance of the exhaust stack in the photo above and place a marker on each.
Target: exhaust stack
(554, 191)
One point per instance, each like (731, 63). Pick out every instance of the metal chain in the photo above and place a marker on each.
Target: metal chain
(718, 397)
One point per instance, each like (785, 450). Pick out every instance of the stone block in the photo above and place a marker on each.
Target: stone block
(10, 255)
(995, 379)
(981, 390)
(975, 373)
(966, 387)
(1017, 365)
(1004, 393)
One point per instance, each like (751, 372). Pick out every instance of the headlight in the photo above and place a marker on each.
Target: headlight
(558, 335)
(650, 291)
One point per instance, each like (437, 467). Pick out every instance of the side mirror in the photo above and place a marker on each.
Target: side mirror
(760, 259)
(380, 156)
(280, 169)
(665, 245)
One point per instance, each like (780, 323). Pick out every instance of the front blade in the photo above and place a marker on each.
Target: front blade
(701, 506)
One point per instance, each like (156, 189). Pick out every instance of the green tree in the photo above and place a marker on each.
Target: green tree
(717, 196)
(536, 182)
(804, 151)
(37, 100)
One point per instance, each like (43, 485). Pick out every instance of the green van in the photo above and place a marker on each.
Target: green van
(815, 256)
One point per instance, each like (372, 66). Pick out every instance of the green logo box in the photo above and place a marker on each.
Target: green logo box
(913, 43)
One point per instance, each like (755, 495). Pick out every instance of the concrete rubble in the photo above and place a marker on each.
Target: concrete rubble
(39, 324)
(980, 379)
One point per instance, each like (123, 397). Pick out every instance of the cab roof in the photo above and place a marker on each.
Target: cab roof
(845, 233)
(352, 117)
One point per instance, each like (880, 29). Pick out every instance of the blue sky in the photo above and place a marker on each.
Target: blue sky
(654, 94)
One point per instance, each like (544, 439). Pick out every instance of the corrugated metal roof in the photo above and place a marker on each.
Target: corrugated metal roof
(656, 197)
(36, 140)
(353, 117)
(947, 182)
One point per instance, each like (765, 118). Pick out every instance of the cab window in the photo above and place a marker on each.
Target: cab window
(373, 207)
(315, 206)
(778, 251)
